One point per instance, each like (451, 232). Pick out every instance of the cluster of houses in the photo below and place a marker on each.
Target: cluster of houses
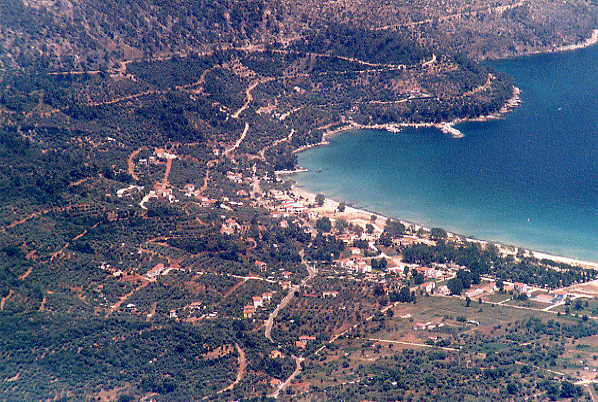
(257, 302)
(163, 190)
(161, 269)
(285, 204)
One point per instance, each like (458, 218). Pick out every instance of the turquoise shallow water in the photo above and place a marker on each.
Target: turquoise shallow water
(530, 179)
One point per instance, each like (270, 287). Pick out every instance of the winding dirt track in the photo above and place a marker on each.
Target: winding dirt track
(238, 142)
(240, 372)
(131, 164)
(4, 299)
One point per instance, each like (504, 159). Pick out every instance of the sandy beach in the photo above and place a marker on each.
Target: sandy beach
(362, 217)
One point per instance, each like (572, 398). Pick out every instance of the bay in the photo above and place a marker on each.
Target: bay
(529, 179)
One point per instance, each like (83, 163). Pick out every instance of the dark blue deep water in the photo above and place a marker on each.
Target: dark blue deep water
(529, 179)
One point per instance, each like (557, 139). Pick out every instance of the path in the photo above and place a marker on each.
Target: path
(26, 274)
(423, 345)
(287, 299)
(249, 96)
(241, 372)
(204, 186)
(5, 298)
(124, 298)
(287, 382)
(199, 83)
(167, 172)
(131, 164)
(42, 306)
(497, 9)
(288, 138)
(485, 86)
(283, 303)
(239, 141)
(231, 290)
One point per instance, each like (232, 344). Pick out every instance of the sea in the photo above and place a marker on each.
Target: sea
(529, 179)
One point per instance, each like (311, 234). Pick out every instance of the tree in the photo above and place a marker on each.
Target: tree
(394, 228)
(369, 228)
(320, 200)
(418, 278)
(323, 224)
(467, 301)
(403, 296)
(341, 207)
(465, 277)
(341, 225)
(438, 234)
(455, 286)
(569, 390)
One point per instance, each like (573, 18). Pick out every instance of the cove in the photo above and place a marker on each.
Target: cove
(529, 179)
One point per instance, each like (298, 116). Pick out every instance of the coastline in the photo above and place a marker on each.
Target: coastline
(446, 127)
(362, 215)
(590, 41)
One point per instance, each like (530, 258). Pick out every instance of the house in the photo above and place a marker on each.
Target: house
(355, 250)
(364, 267)
(267, 296)
(474, 292)
(275, 382)
(331, 294)
(300, 345)
(286, 285)
(396, 270)
(155, 271)
(162, 190)
(261, 265)
(257, 301)
(189, 189)
(423, 325)
(443, 290)
(307, 338)
(276, 354)
(428, 286)
(172, 314)
(287, 274)
(522, 288)
(229, 227)
(248, 311)
(194, 306)
(207, 203)
(427, 272)
(235, 177)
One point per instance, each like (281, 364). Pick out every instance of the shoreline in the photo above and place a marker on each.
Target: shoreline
(364, 214)
(446, 127)
(590, 41)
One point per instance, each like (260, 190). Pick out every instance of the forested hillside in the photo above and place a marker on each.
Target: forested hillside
(140, 255)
